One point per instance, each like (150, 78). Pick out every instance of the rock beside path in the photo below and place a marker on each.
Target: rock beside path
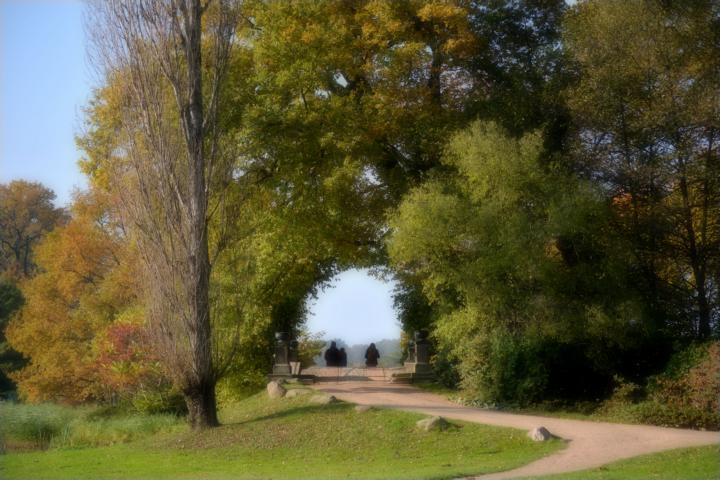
(275, 390)
(362, 408)
(540, 434)
(432, 423)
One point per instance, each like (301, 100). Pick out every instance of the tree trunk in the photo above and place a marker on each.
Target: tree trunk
(200, 392)
(202, 406)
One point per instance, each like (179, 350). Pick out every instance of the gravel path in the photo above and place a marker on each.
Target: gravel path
(590, 444)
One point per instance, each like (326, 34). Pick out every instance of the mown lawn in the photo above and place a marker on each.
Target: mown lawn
(291, 438)
(701, 463)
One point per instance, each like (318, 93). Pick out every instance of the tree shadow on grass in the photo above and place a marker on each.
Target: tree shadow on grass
(301, 409)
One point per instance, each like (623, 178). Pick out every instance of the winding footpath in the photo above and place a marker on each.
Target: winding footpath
(590, 444)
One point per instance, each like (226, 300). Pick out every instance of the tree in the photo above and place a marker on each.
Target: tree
(510, 254)
(170, 59)
(86, 282)
(26, 215)
(646, 128)
(11, 300)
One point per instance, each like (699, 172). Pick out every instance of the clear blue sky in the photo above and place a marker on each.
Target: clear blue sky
(44, 84)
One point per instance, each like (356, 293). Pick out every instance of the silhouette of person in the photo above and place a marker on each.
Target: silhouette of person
(343, 357)
(332, 356)
(371, 356)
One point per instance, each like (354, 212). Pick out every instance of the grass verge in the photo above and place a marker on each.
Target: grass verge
(702, 463)
(32, 427)
(293, 438)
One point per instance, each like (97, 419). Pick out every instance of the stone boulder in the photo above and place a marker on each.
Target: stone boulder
(275, 390)
(432, 423)
(362, 408)
(323, 399)
(540, 434)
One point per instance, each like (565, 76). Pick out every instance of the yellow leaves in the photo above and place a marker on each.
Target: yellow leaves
(445, 13)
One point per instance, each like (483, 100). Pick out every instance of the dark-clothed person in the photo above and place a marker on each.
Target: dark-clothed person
(371, 356)
(332, 356)
(343, 357)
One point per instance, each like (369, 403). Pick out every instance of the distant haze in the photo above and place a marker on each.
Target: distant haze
(357, 309)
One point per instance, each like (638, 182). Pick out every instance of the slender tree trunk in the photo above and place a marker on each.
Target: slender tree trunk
(200, 391)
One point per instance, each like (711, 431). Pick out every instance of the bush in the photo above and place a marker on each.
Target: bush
(152, 402)
(655, 413)
(686, 394)
(692, 380)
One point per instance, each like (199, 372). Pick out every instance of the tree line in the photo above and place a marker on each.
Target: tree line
(542, 179)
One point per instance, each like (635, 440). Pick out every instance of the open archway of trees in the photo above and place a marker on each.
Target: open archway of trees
(503, 173)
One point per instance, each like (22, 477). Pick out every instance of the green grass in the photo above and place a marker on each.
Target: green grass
(28, 427)
(686, 464)
(291, 438)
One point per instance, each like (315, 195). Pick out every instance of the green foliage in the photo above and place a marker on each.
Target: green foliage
(645, 114)
(159, 401)
(505, 251)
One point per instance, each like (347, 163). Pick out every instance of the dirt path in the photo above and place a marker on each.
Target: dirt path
(590, 444)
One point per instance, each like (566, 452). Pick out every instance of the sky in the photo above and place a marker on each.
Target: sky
(44, 83)
(357, 309)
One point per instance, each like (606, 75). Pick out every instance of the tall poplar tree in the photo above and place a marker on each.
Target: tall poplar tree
(169, 58)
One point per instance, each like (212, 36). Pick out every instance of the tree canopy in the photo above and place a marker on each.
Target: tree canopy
(542, 180)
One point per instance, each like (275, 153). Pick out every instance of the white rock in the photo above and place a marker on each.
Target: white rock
(275, 390)
(432, 423)
(540, 434)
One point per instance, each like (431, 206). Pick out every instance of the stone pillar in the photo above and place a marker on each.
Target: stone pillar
(422, 352)
(417, 364)
(281, 358)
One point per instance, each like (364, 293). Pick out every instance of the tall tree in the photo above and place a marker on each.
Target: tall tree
(170, 57)
(27, 213)
(646, 113)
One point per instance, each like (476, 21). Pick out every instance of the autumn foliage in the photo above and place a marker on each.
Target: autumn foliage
(87, 282)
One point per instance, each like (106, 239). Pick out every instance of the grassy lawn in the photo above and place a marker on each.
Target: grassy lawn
(685, 464)
(291, 438)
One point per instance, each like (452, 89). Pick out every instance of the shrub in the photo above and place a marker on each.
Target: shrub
(693, 382)
(686, 394)
(151, 402)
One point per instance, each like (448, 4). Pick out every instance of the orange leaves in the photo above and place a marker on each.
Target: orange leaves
(86, 282)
